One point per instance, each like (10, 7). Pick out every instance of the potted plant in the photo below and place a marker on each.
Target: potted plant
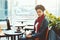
(54, 22)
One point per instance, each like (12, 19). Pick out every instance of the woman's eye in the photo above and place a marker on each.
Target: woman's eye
(39, 12)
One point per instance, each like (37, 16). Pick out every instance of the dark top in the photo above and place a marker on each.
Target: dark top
(42, 31)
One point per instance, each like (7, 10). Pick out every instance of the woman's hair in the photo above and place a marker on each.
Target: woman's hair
(40, 7)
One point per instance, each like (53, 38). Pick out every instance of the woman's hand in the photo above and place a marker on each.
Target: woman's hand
(28, 36)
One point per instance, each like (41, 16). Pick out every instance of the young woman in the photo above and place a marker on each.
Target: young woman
(40, 25)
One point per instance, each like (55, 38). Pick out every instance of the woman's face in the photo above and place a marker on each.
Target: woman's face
(39, 12)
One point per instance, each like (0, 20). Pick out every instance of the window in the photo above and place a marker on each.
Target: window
(3, 14)
(3, 9)
(23, 10)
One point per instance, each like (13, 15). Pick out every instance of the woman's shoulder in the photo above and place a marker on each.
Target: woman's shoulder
(45, 20)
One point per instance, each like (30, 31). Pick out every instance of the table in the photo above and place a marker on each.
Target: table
(12, 35)
(20, 26)
(4, 36)
(29, 27)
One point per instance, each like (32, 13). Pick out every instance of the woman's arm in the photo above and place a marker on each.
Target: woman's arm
(43, 28)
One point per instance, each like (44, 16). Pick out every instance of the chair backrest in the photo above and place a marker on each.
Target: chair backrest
(46, 35)
(8, 24)
(47, 32)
